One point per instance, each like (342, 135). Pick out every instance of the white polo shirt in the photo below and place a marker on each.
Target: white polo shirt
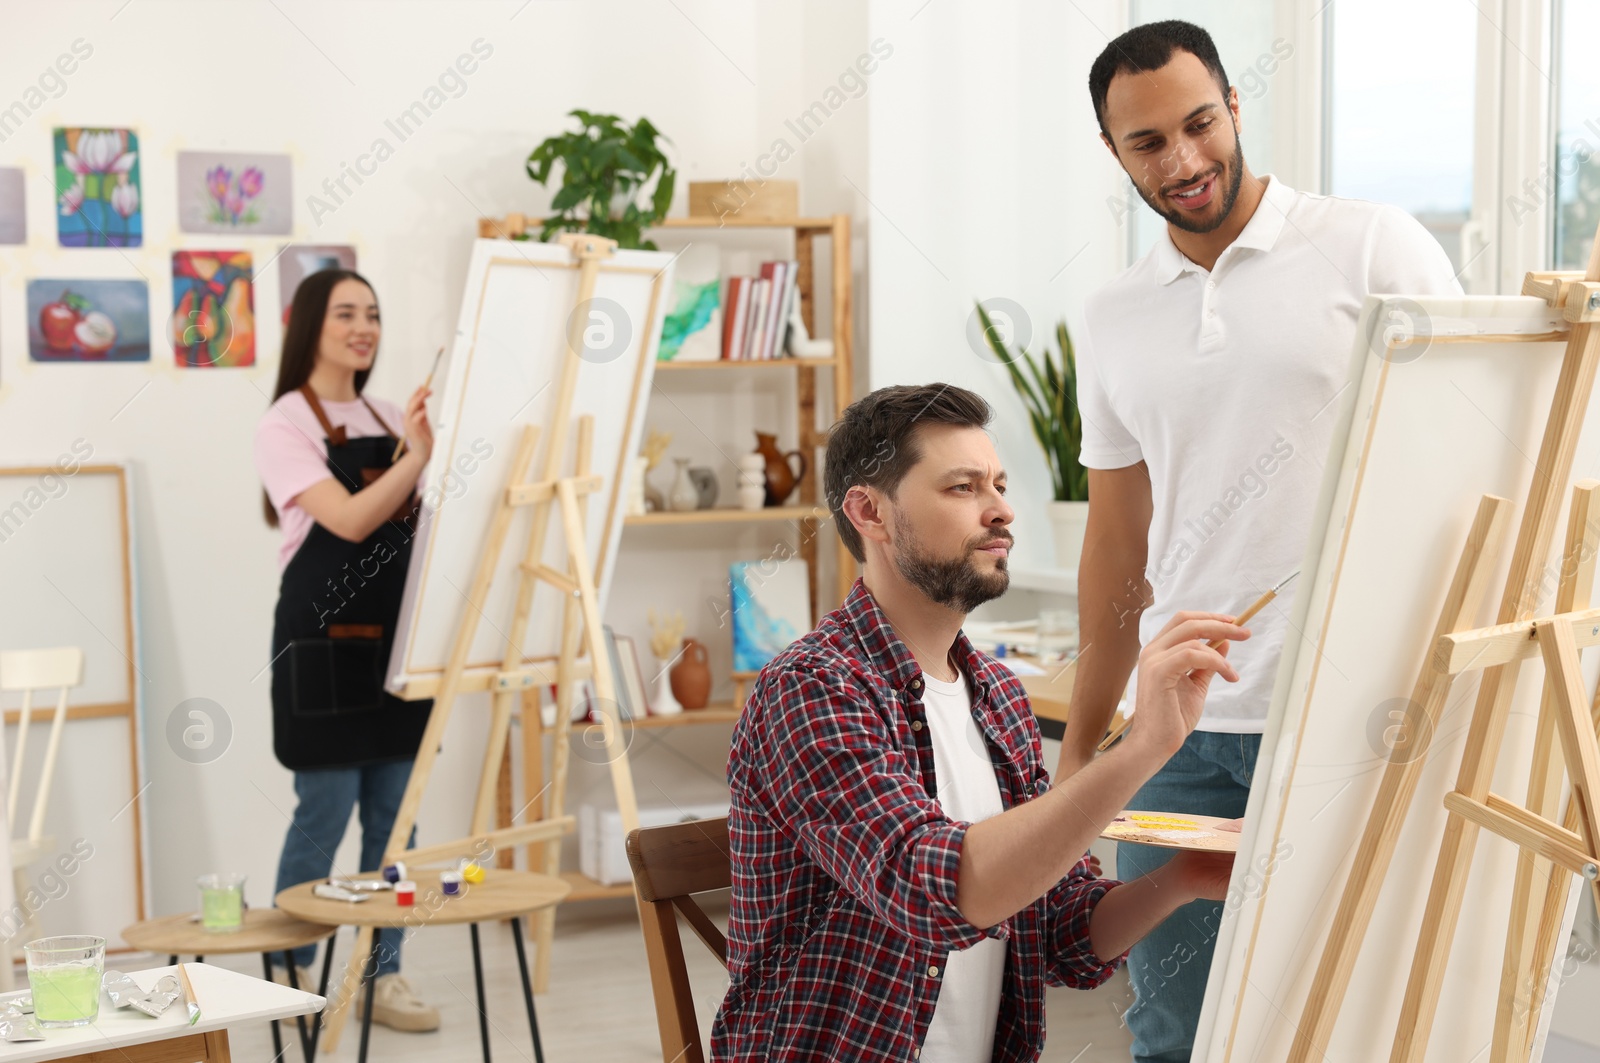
(1224, 384)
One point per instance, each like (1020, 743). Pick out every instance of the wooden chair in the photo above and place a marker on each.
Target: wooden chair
(27, 671)
(670, 865)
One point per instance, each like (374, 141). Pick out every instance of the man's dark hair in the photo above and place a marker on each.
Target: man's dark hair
(874, 443)
(1150, 47)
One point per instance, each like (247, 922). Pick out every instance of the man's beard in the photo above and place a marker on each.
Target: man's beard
(955, 582)
(1230, 195)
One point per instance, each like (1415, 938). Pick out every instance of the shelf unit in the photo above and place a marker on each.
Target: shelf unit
(805, 511)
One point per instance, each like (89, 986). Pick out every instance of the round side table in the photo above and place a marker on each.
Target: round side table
(503, 894)
(265, 930)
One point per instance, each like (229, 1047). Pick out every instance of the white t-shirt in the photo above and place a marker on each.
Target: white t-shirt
(1224, 383)
(292, 454)
(962, 1030)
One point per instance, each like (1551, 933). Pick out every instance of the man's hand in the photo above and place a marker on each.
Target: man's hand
(1198, 875)
(1175, 670)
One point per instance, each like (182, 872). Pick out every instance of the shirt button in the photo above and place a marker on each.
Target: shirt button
(916, 684)
(916, 725)
(916, 1053)
(933, 972)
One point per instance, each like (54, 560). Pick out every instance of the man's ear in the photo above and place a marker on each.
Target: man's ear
(865, 509)
(1233, 108)
(1111, 148)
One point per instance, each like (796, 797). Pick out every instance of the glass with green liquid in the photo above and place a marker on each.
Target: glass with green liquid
(64, 975)
(221, 902)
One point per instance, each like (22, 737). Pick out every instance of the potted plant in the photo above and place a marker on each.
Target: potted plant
(605, 165)
(1048, 388)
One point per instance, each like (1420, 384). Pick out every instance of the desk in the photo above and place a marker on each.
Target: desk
(265, 930)
(123, 1035)
(503, 894)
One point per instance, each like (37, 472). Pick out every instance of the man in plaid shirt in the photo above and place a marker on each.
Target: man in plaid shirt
(905, 881)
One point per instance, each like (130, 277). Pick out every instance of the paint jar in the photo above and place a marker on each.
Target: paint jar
(450, 883)
(221, 902)
(395, 872)
(472, 872)
(405, 893)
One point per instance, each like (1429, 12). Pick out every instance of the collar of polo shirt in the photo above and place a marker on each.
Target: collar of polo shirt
(1260, 233)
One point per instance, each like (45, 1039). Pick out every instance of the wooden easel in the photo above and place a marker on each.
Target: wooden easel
(554, 495)
(1498, 652)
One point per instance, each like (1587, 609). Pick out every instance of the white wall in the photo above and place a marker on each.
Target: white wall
(988, 180)
(317, 80)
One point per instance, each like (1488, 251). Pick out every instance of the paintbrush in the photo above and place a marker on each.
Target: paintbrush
(189, 999)
(1259, 604)
(400, 446)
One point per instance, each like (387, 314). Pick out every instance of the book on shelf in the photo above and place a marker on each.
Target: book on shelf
(756, 312)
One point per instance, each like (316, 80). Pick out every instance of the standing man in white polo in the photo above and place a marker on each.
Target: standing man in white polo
(1208, 376)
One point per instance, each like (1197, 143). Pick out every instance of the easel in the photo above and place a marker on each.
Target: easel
(1498, 651)
(581, 628)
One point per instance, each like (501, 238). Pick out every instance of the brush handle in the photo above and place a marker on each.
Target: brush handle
(1260, 604)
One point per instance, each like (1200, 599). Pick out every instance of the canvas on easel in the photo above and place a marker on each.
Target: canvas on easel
(1432, 460)
(541, 406)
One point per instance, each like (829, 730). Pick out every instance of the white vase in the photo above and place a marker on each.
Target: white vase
(664, 704)
(752, 496)
(684, 496)
(636, 483)
(1068, 520)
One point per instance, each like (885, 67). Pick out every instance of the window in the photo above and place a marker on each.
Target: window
(1401, 116)
(1575, 165)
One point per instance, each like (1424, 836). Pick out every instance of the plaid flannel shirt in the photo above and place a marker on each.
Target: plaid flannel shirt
(845, 867)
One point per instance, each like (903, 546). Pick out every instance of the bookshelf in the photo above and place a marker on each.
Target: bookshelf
(817, 402)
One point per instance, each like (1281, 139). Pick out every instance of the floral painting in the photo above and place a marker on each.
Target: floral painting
(213, 309)
(88, 321)
(234, 192)
(97, 188)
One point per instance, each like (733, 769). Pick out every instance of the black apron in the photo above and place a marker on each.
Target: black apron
(334, 626)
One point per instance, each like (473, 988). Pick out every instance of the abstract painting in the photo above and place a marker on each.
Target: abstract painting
(97, 188)
(234, 192)
(299, 261)
(213, 309)
(771, 608)
(692, 329)
(88, 321)
(13, 220)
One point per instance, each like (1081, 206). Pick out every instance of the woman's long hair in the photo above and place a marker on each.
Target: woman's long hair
(301, 338)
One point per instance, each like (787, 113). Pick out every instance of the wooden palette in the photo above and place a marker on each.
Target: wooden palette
(1174, 830)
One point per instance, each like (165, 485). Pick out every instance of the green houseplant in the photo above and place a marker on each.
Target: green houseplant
(605, 165)
(1048, 385)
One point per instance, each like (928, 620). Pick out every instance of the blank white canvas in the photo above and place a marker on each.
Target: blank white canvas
(504, 373)
(1419, 442)
(62, 569)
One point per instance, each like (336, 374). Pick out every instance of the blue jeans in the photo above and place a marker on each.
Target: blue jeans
(327, 797)
(1209, 776)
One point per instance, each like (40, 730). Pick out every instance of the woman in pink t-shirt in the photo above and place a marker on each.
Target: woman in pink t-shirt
(348, 510)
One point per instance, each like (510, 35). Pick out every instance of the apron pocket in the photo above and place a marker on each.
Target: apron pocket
(331, 676)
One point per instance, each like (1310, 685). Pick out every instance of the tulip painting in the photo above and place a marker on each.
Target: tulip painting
(97, 188)
(233, 192)
(213, 309)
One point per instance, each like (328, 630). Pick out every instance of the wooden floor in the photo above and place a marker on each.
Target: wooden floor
(598, 1009)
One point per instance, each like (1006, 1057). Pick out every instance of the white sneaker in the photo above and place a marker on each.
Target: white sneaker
(395, 1005)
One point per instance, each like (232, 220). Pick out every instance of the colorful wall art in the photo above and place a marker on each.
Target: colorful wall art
(771, 608)
(88, 321)
(213, 309)
(97, 188)
(692, 329)
(234, 192)
(298, 261)
(13, 219)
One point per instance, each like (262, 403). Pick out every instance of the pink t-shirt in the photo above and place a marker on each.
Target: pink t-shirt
(292, 454)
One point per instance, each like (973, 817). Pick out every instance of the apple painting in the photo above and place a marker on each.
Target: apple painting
(88, 321)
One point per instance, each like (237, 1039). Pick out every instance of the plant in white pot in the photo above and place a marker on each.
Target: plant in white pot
(1048, 387)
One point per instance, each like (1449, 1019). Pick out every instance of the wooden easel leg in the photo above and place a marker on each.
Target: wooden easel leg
(1522, 972)
(338, 1010)
(545, 920)
(1397, 789)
